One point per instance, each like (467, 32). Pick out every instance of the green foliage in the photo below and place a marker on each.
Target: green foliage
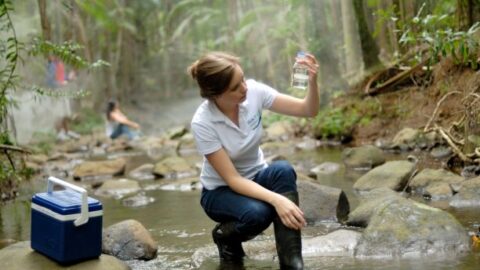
(87, 121)
(335, 123)
(270, 118)
(43, 142)
(69, 93)
(8, 53)
(435, 32)
(66, 52)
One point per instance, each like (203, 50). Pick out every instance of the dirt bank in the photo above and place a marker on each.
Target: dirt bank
(413, 104)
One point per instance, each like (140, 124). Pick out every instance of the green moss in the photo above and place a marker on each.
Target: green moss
(87, 121)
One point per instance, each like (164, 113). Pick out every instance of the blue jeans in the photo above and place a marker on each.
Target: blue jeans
(123, 130)
(252, 216)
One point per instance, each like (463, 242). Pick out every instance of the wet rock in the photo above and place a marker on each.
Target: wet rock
(441, 151)
(158, 148)
(438, 191)
(308, 144)
(176, 132)
(401, 227)
(279, 131)
(393, 175)
(338, 243)
(143, 172)
(468, 194)
(74, 146)
(324, 168)
(35, 167)
(273, 158)
(98, 152)
(187, 184)
(99, 168)
(118, 188)
(406, 137)
(129, 240)
(174, 168)
(21, 256)
(470, 171)
(187, 145)
(6, 242)
(138, 200)
(428, 178)
(277, 148)
(118, 145)
(39, 159)
(370, 202)
(367, 156)
(322, 203)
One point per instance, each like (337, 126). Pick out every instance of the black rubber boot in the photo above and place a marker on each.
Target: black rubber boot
(288, 241)
(229, 243)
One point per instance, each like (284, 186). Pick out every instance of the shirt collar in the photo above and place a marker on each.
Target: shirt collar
(218, 116)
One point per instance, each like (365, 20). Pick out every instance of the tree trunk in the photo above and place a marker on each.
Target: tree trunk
(45, 23)
(367, 43)
(468, 12)
(268, 51)
(330, 76)
(81, 33)
(350, 38)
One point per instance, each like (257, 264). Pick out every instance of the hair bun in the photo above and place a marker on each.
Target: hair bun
(193, 69)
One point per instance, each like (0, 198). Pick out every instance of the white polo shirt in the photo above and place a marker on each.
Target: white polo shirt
(212, 130)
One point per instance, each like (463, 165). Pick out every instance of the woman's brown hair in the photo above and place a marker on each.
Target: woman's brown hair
(213, 73)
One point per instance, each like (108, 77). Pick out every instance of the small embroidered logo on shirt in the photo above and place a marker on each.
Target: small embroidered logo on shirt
(254, 121)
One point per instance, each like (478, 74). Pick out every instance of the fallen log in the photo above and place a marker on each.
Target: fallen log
(388, 85)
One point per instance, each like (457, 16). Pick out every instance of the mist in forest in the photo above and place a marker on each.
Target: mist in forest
(149, 44)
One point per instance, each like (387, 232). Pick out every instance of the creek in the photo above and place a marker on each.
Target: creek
(177, 222)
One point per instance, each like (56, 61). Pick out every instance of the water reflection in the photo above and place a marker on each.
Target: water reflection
(179, 225)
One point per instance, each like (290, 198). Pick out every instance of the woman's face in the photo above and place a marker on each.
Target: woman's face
(237, 90)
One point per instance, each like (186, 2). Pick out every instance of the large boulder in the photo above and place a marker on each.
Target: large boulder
(280, 130)
(143, 172)
(367, 156)
(129, 240)
(322, 203)
(406, 138)
(21, 256)
(118, 188)
(393, 175)
(370, 202)
(103, 168)
(174, 167)
(468, 194)
(400, 227)
(435, 183)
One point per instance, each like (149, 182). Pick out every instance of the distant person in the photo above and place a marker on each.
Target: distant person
(118, 124)
(240, 190)
(63, 131)
(55, 72)
(51, 72)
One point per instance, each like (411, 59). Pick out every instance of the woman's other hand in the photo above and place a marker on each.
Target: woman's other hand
(290, 214)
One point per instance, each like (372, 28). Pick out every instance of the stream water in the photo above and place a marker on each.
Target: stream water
(178, 224)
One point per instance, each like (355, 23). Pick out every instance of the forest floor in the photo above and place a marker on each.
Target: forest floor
(412, 104)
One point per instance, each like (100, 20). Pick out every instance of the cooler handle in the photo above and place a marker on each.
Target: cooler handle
(84, 207)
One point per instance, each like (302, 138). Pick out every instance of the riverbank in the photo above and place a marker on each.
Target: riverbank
(436, 97)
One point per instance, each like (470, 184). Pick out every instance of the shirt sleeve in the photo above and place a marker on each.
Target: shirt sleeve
(266, 93)
(205, 138)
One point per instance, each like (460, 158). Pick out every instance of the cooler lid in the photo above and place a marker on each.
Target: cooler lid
(65, 202)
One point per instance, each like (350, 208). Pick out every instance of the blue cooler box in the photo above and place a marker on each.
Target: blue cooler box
(66, 224)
